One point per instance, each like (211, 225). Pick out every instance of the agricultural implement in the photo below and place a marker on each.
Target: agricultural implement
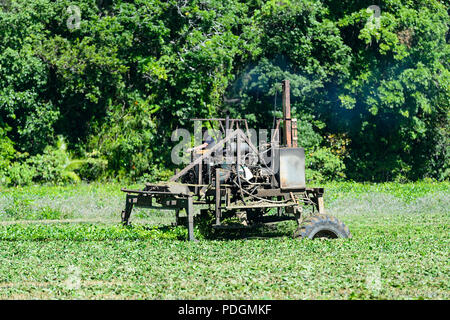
(242, 186)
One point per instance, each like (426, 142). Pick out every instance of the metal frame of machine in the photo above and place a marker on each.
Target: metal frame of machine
(234, 179)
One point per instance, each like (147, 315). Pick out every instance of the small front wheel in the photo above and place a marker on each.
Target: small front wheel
(322, 226)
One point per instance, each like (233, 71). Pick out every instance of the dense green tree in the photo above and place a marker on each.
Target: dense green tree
(115, 77)
(395, 104)
(381, 83)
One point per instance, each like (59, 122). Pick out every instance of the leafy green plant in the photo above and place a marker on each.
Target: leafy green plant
(7, 150)
(397, 252)
(136, 70)
(7, 153)
(54, 165)
(20, 174)
(322, 165)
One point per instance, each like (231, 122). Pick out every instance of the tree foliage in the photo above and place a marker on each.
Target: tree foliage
(372, 96)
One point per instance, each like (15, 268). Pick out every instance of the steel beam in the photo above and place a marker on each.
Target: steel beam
(287, 113)
(190, 216)
(218, 197)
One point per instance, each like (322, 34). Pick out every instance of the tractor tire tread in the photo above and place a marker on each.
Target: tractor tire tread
(311, 226)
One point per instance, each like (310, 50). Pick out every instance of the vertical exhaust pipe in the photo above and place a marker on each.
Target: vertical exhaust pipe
(287, 114)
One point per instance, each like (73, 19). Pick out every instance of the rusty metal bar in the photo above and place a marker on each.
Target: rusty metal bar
(276, 132)
(287, 114)
(128, 208)
(200, 176)
(177, 217)
(218, 197)
(261, 205)
(190, 215)
(320, 206)
(294, 133)
(150, 192)
(246, 128)
(238, 152)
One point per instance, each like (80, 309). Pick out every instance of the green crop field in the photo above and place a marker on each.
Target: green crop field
(66, 243)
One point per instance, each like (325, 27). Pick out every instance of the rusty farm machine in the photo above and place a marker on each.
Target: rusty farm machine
(231, 177)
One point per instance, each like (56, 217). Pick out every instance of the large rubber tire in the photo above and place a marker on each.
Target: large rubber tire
(322, 226)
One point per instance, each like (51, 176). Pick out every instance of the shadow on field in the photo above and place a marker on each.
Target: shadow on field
(231, 233)
(256, 232)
